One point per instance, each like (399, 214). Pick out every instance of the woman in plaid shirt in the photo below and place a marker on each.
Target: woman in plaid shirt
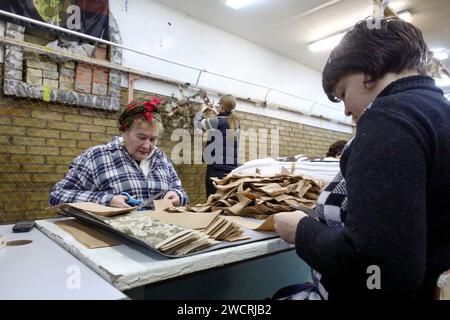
(131, 163)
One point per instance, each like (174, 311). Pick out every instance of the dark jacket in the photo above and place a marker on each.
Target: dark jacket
(397, 171)
(229, 145)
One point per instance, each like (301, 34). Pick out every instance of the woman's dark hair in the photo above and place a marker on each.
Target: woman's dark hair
(335, 149)
(392, 45)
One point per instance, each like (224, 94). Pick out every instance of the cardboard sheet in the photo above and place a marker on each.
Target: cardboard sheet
(93, 208)
(87, 235)
(254, 224)
(162, 204)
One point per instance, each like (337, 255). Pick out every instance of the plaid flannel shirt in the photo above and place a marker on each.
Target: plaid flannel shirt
(106, 170)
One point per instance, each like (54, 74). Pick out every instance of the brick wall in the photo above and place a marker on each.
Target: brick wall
(69, 75)
(294, 138)
(38, 140)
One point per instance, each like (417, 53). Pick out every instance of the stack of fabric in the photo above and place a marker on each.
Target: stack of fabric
(226, 230)
(209, 223)
(167, 238)
(318, 169)
(260, 196)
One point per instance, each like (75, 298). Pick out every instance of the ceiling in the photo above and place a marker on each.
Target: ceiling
(287, 26)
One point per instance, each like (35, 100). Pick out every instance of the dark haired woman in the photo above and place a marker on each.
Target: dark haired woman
(383, 227)
(336, 148)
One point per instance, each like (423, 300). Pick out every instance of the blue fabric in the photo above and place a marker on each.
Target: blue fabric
(106, 170)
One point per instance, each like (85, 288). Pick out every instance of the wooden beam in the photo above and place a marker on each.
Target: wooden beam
(131, 79)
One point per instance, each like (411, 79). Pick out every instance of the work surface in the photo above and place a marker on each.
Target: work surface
(129, 266)
(44, 270)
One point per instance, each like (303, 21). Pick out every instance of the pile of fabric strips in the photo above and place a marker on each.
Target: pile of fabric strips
(261, 196)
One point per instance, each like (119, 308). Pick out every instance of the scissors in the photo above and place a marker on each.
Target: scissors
(136, 202)
(131, 201)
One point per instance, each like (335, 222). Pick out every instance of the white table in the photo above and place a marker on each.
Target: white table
(129, 266)
(43, 270)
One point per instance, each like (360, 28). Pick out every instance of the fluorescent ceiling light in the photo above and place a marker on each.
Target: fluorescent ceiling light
(442, 82)
(326, 43)
(237, 4)
(440, 55)
(405, 15)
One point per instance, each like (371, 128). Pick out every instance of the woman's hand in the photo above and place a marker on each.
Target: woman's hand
(173, 196)
(204, 107)
(119, 202)
(286, 224)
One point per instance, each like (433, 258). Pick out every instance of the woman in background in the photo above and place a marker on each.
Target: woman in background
(221, 150)
(335, 150)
